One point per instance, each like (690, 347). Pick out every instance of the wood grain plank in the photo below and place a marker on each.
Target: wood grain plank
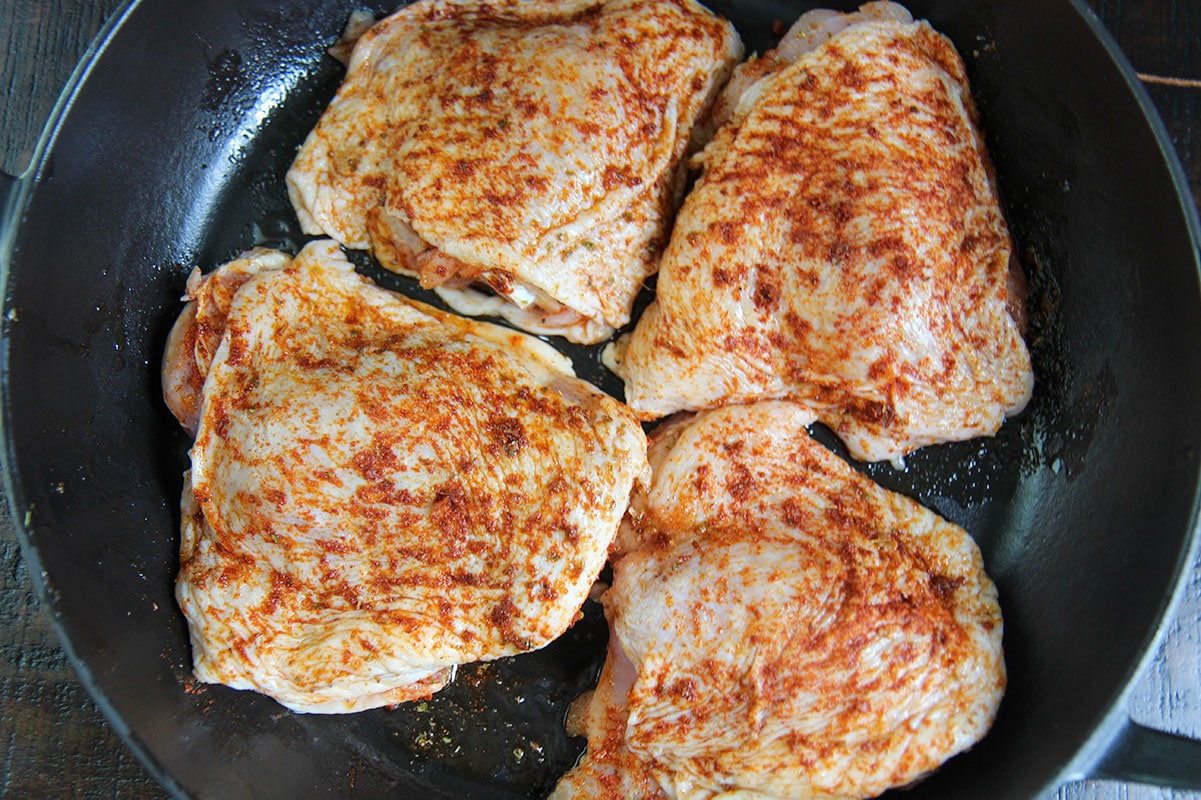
(53, 740)
(1161, 37)
(52, 35)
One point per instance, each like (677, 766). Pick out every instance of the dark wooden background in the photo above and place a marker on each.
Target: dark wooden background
(53, 741)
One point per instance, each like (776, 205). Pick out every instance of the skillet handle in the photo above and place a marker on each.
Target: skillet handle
(1145, 755)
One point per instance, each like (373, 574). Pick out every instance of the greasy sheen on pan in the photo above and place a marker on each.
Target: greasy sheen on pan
(781, 627)
(523, 157)
(379, 491)
(844, 248)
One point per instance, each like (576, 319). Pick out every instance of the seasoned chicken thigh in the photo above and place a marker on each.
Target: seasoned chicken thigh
(844, 248)
(380, 491)
(197, 331)
(781, 627)
(528, 148)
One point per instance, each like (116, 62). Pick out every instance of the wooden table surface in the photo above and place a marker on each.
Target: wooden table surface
(53, 741)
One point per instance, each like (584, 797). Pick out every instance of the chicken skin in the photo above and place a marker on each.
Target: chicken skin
(523, 156)
(844, 248)
(781, 627)
(379, 491)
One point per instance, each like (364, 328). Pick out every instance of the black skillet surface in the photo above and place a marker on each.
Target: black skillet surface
(171, 154)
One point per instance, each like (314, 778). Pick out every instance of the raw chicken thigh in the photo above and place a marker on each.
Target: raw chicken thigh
(379, 491)
(527, 148)
(197, 333)
(781, 627)
(844, 248)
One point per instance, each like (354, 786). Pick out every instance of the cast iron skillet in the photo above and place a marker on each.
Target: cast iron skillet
(168, 151)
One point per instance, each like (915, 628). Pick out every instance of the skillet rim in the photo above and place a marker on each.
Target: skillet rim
(12, 215)
(1116, 718)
